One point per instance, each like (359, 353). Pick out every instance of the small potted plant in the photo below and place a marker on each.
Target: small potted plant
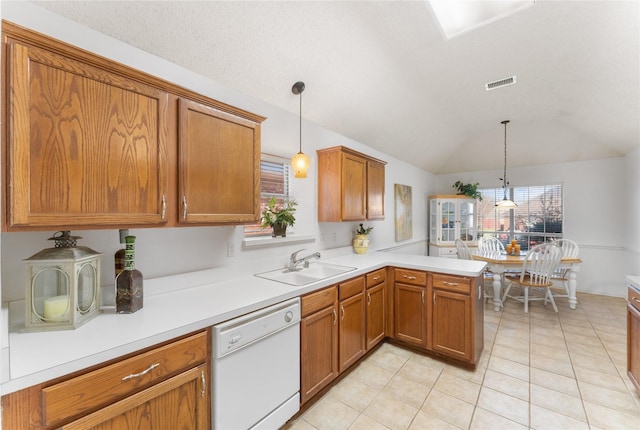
(361, 241)
(279, 217)
(470, 190)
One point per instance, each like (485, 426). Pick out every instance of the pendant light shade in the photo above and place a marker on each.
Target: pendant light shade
(300, 162)
(505, 203)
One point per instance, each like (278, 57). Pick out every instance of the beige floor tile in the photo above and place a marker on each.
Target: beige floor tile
(557, 352)
(417, 372)
(517, 355)
(610, 419)
(554, 366)
(388, 347)
(541, 338)
(590, 350)
(363, 422)
(557, 401)
(460, 388)
(330, 414)
(425, 421)
(391, 412)
(407, 391)
(507, 384)
(425, 360)
(600, 364)
(545, 419)
(448, 408)
(600, 379)
(300, 424)
(508, 367)
(484, 420)
(354, 393)
(554, 381)
(387, 360)
(372, 375)
(610, 398)
(475, 376)
(504, 405)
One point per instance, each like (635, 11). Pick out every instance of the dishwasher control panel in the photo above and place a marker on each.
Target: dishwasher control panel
(239, 332)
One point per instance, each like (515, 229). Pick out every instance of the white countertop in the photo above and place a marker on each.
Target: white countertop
(634, 280)
(200, 300)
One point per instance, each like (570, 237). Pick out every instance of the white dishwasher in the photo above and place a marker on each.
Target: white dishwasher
(256, 369)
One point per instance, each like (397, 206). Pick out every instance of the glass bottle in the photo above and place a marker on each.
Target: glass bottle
(119, 255)
(129, 282)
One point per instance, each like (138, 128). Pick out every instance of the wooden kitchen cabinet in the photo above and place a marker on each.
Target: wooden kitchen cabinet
(219, 166)
(352, 325)
(350, 185)
(164, 386)
(318, 341)
(410, 309)
(85, 146)
(633, 335)
(455, 317)
(376, 307)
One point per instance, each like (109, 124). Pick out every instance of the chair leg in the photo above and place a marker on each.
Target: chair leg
(526, 299)
(549, 297)
(506, 292)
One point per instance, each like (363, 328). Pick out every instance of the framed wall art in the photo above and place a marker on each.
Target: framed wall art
(403, 212)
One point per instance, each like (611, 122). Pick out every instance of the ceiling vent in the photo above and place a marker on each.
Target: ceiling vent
(501, 83)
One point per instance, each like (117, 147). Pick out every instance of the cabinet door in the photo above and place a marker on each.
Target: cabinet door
(376, 314)
(179, 402)
(375, 190)
(354, 188)
(466, 221)
(451, 326)
(633, 345)
(219, 166)
(319, 351)
(85, 146)
(410, 314)
(352, 330)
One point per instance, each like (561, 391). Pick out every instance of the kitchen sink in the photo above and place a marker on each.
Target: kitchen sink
(305, 275)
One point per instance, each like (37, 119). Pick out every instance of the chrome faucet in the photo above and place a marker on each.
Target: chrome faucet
(293, 262)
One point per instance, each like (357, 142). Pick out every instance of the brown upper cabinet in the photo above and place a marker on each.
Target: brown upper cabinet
(350, 185)
(94, 144)
(219, 165)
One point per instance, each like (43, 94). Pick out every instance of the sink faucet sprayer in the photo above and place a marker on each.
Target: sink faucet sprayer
(293, 262)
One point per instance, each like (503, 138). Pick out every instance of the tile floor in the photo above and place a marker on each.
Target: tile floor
(539, 371)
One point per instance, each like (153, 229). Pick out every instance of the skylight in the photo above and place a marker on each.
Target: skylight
(457, 17)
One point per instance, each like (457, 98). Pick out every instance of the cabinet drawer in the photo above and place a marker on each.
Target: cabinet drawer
(111, 383)
(351, 287)
(318, 300)
(446, 252)
(413, 277)
(375, 278)
(452, 283)
(634, 297)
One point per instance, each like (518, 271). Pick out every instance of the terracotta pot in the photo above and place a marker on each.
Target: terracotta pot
(361, 243)
(279, 230)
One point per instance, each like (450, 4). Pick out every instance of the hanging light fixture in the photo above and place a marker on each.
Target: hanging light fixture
(505, 203)
(300, 162)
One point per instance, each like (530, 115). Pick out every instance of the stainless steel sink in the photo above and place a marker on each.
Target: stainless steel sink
(306, 275)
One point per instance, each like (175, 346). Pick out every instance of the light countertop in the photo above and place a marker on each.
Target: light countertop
(634, 280)
(199, 300)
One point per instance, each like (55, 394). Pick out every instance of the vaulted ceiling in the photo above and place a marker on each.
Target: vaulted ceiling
(381, 73)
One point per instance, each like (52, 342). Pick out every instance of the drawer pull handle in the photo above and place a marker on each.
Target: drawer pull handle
(409, 277)
(335, 316)
(203, 393)
(368, 299)
(342, 313)
(144, 372)
(184, 207)
(164, 207)
(375, 278)
(635, 299)
(451, 284)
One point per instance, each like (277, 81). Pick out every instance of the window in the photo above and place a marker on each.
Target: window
(274, 182)
(537, 219)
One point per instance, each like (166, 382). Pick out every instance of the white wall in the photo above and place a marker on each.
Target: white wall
(596, 204)
(164, 251)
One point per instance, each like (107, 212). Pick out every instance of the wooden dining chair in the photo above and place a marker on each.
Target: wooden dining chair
(463, 251)
(570, 249)
(537, 270)
(490, 244)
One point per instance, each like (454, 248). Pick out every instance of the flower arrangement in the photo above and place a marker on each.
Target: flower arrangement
(470, 190)
(279, 214)
(363, 230)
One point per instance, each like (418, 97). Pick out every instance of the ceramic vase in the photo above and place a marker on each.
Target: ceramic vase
(361, 243)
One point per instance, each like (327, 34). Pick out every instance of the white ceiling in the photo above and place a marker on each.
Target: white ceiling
(381, 73)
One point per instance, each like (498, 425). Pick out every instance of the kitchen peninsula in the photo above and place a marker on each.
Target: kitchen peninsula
(185, 304)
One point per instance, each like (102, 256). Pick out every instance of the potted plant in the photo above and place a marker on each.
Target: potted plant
(361, 241)
(279, 217)
(470, 190)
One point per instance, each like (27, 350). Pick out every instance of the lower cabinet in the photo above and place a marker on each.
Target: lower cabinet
(410, 309)
(633, 336)
(352, 325)
(318, 341)
(376, 297)
(163, 387)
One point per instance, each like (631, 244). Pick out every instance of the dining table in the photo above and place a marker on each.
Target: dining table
(500, 262)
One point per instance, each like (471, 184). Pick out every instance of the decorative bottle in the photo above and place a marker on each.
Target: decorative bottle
(129, 282)
(119, 255)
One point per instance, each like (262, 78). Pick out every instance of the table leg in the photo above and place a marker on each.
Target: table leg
(573, 300)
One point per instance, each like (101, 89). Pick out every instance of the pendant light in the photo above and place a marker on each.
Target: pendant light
(505, 203)
(300, 162)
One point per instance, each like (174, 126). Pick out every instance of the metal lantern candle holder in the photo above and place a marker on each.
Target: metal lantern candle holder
(62, 285)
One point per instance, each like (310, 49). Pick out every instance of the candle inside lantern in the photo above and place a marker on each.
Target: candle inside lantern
(55, 307)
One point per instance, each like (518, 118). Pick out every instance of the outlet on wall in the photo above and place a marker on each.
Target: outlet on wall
(231, 249)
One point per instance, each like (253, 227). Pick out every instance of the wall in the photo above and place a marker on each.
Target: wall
(165, 251)
(595, 213)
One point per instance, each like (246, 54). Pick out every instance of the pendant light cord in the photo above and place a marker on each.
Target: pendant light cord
(300, 121)
(504, 177)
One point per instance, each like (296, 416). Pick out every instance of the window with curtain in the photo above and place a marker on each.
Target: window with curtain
(274, 182)
(536, 219)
